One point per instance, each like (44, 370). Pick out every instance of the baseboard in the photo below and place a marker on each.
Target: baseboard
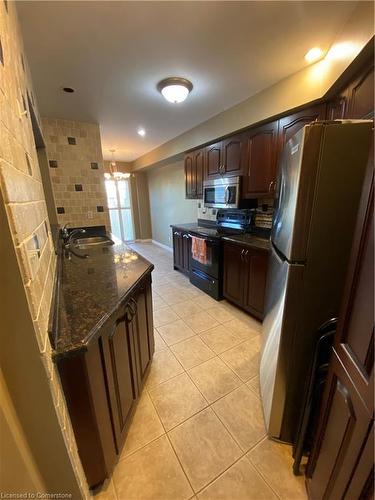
(147, 240)
(166, 247)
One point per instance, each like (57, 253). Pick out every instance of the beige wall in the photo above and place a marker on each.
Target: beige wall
(166, 186)
(27, 271)
(76, 171)
(307, 85)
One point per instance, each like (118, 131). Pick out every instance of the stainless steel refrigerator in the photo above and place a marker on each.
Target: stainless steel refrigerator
(319, 184)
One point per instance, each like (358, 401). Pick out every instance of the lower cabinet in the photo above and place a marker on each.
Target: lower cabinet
(181, 250)
(245, 275)
(102, 384)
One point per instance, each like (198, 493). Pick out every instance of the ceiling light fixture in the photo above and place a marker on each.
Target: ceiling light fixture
(114, 173)
(314, 55)
(141, 132)
(175, 89)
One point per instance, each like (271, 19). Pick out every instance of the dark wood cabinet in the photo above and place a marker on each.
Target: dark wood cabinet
(194, 171)
(214, 161)
(341, 462)
(245, 275)
(261, 160)
(102, 384)
(291, 124)
(234, 154)
(361, 96)
(181, 250)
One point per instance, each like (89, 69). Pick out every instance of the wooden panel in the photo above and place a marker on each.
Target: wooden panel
(361, 100)
(213, 160)
(290, 125)
(144, 352)
(186, 253)
(362, 483)
(177, 249)
(255, 281)
(233, 273)
(261, 162)
(234, 149)
(190, 177)
(199, 172)
(338, 108)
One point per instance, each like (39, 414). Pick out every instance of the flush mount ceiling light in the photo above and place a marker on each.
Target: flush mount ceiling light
(114, 173)
(314, 55)
(175, 89)
(141, 132)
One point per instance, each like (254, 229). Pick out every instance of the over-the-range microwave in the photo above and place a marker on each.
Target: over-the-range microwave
(222, 193)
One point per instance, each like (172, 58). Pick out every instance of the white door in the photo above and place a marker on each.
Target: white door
(120, 212)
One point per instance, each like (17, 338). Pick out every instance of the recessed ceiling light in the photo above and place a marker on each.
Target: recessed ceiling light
(141, 132)
(68, 90)
(314, 54)
(175, 89)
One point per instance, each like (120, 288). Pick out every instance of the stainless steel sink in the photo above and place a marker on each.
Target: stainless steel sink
(92, 241)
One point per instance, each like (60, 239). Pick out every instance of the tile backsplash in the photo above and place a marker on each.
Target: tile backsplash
(76, 172)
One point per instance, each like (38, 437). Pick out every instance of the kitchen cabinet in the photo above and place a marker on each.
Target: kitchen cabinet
(214, 161)
(181, 250)
(226, 157)
(102, 383)
(245, 276)
(341, 461)
(194, 168)
(261, 161)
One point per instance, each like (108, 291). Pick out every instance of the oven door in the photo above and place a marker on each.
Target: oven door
(221, 193)
(212, 266)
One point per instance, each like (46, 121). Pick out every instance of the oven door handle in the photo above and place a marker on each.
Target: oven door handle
(207, 240)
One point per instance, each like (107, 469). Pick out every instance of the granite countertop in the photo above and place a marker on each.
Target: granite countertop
(250, 240)
(90, 290)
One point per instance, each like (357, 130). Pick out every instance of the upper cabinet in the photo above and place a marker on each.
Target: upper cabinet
(361, 96)
(214, 161)
(261, 160)
(290, 125)
(234, 154)
(194, 167)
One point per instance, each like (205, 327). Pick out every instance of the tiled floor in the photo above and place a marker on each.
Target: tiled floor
(198, 430)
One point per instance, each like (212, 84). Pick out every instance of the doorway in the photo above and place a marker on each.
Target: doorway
(120, 211)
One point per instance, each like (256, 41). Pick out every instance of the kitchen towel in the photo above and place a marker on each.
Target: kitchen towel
(199, 250)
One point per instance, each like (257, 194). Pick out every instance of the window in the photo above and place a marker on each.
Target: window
(119, 204)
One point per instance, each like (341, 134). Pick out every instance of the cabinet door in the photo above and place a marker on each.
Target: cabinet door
(361, 96)
(186, 253)
(119, 356)
(177, 249)
(214, 161)
(199, 172)
(261, 160)
(233, 273)
(289, 125)
(234, 154)
(143, 330)
(256, 265)
(190, 176)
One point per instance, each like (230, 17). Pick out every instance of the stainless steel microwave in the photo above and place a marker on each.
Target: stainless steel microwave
(222, 193)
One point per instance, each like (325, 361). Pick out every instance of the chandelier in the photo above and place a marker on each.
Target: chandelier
(114, 173)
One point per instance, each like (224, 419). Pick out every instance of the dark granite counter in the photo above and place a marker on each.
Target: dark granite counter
(250, 241)
(90, 290)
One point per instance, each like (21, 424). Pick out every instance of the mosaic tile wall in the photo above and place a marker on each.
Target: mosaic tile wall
(76, 170)
(22, 191)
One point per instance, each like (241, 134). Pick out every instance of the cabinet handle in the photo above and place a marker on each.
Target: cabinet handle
(245, 255)
(270, 186)
(176, 233)
(242, 254)
(185, 236)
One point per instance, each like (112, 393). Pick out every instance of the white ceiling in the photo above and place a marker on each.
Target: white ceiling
(114, 54)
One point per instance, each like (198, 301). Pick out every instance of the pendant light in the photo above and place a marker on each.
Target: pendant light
(114, 173)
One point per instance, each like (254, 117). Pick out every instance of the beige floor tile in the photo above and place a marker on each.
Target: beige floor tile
(160, 345)
(176, 400)
(158, 303)
(192, 352)
(201, 321)
(274, 461)
(243, 359)
(204, 448)
(241, 329)
(165, 289)
(239, 482)
(176, 296)
(152, 473)
(220, 339)
(214, 379)
(145, 427)
(253, 384)
(186, 308)
(175, 332)
(106, 491)
(220, 313)
(164, 366)
(163, 316)
(241, 413)
(205, 301)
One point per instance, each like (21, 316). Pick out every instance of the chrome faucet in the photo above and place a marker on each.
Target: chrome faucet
(67, 241)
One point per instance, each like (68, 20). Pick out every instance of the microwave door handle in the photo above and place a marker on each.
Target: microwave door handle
(226, 195)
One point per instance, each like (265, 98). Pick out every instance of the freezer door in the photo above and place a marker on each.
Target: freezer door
(287, 195)
(283, 289)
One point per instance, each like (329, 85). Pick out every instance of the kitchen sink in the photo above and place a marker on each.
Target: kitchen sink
(92, 241)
